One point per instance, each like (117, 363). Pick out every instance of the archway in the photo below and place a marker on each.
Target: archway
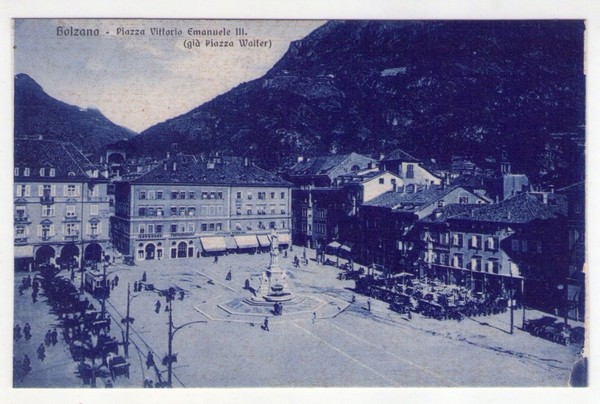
(182, 250)
(69, 254)
(44, 254)
(150, 251)
(93, 252)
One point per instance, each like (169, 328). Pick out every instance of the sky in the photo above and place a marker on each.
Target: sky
(139, 80)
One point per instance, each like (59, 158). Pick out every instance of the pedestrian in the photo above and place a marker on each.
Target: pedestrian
(353, 299)
(157, 307)
(35, 285)
(28, 281)
(409, 314)
(266, 324)
(314, 317)
(285, 254)
(181, 294)
(247, 284)
(112, 284)
(41, 352)
(144, 278)
(21, 290)
(48, 338)
(150, 360)
(116, 279)
(369, 305)
(17, 332)
(34, 296)
(25, 366)
(228, 277)
(135, 286)
(54, 337)
(216, 259)
(27, 331)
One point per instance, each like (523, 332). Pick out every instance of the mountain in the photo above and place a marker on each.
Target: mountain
(432, 88)
(37, 113)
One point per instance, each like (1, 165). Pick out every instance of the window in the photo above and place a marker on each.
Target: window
(93, 209)
(142, 195)
(283, 225)
(174, 194)
(23, 190)
(249, 195)
(272, 225)
(282, 195)
(70, 211)
(159, 194)
(238, 195)
(523, 245)
(20, 212)
(444, 238)
(262, 195)
(492, 243)
(577, 208)
(191, 227)
(191, 195)
(159, 228)
(212, 195)
(272, 195)
(463, 200)
(410, 171)
(475, 241)
(457, 240)
(94, 191)
(249, 211)
(238, 226)
(20, 231)
(150, 228)
(272, 209)
(515, 245)
(182, 195)
(151, 194)
(204, 195)
(382, 180)
(192, 211)
(141, 254)
(159, 211)
(47, 172)
(94, 228)
(71, 229)
(142, 211)
(203, 227)
(476, 264)
(182, 210)
(457, 261)
(26, 172)
(493, 266)
(173, 210)
(211, 227)
(47, 210)
(16, 171)
(142, 229)
(173, 228)
(46, 230)
(219, 226)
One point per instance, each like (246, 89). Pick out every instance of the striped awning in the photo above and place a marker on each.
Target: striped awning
(263, 240)
(24, 251)
(246, 241)
(230, 243)
(213, 244)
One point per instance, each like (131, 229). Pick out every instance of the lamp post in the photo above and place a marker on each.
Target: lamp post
(128, 320)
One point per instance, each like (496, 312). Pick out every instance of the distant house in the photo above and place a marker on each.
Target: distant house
(188, 206)
(323, 170)
(409, 168)
(386, 235)
(61, 206)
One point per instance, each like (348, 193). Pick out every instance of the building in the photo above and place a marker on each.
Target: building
(409, 168)
(488, 248)
(188, 206)
(386, 235)
(61, 205)
(323, 170)
(575, 195)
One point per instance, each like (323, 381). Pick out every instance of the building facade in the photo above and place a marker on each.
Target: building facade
(190, 206)
(61, 206)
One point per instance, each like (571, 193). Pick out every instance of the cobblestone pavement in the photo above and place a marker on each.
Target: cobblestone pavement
(355, 347)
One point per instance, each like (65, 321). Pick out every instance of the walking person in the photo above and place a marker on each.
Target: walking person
(135, 286)
(54, 337)
(34, 295)
(25, 367)
(228, 277)
(150, 360)
(48, 338)
(116, 280)
(41, 352)
(27, 331)
(157, 307)
(144, 278)
(216, 259)
(266, 324)
(17, 332)
(314, 317)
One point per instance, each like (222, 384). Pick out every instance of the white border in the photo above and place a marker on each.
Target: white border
(307, 9)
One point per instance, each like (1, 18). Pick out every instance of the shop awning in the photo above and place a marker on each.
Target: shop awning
(230, 243)
(263, 240)
(334, 245)
(213, 244)
(246, 241)
(347, 247)
(284, 238)
(24, 251)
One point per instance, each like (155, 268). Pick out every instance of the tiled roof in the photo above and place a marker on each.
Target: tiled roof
(321, 165)
(400, 155)
(440, 215)
(410, 202)
(519, 209)
(66, 160)
(187, 169)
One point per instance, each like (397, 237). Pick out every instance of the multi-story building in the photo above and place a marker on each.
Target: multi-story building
(491, 247)
(188, 205)
(61, 205)
(409, 168)
(323, 170)
(386, 235)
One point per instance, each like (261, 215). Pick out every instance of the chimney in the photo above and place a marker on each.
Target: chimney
(381, 156)
(370, 165)
(168, 154)
(246, 162)
(40, 137)
(300, 159)
(174, 166)
(165, 166)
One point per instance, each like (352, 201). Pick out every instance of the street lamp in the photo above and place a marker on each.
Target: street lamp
(128, 320)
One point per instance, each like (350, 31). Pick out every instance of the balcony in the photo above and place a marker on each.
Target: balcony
(71, 219)
(183, 234)
(20, 240)
(149, 235)
(46, 200)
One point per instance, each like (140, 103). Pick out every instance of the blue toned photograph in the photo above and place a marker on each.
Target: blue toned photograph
(299, 203)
